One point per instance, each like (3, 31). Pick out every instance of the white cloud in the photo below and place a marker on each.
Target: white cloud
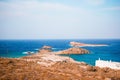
(35, 4)
(22, 8)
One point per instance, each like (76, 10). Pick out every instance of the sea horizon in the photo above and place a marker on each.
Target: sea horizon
(68, 39)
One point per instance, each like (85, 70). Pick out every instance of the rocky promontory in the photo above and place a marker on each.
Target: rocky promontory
(73, 51)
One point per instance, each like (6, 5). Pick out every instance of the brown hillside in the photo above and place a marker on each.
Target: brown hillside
(18, 69)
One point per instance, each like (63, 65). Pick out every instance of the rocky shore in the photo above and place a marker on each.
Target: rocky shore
(47, 58)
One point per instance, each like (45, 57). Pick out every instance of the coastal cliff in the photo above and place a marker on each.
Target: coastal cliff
(73, 51)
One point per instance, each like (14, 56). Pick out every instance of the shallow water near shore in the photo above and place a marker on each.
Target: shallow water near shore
(17, 48)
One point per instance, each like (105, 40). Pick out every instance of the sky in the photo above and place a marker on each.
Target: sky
(59, 19)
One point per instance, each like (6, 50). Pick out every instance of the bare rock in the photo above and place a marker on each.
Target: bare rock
(46, 47)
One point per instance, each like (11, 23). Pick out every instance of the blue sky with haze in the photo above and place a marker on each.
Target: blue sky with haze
(59, 19)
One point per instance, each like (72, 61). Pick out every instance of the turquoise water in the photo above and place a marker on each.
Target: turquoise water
(16, 48)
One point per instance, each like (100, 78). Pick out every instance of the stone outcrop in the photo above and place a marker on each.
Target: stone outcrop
(76, 44)
(46, 47)
(73, 51)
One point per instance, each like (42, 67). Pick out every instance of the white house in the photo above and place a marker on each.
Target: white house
(110, 64)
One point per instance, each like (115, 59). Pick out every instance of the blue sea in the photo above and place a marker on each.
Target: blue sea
(17, 48)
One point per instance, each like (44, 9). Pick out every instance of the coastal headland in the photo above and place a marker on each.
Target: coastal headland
(47, 65)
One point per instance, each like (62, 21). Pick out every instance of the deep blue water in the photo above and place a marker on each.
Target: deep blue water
(16, 48)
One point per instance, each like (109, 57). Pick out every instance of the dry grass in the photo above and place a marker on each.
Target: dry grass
(18, 69)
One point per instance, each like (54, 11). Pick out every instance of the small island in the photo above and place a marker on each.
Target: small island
(73, 51)
(78, 44)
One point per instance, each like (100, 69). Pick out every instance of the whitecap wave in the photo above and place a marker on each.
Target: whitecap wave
(28, 52)
(54, 48)
(37, 49)
(24, 52)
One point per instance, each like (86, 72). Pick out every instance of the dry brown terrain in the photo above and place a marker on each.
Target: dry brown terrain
(19, 69)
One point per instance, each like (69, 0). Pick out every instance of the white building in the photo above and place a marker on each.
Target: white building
(110, 64)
